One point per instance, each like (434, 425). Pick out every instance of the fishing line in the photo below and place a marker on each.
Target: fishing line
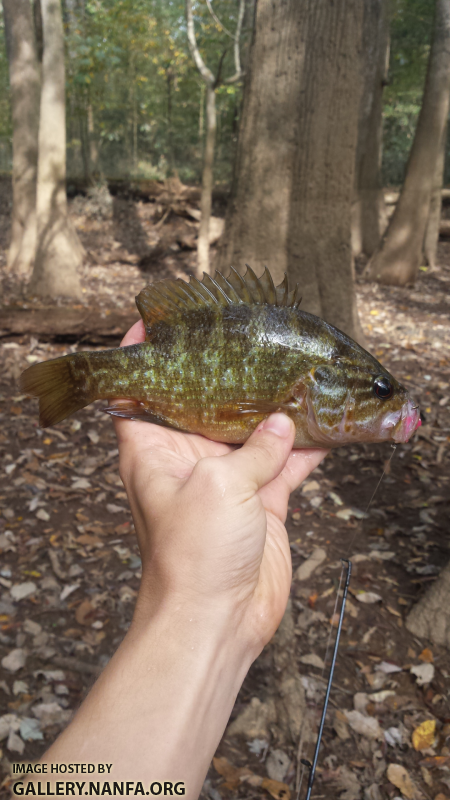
(386, 469)
(303, 762)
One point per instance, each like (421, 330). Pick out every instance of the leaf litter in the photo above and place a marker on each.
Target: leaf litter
(70, 567)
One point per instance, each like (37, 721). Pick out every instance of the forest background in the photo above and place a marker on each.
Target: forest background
(134, 92)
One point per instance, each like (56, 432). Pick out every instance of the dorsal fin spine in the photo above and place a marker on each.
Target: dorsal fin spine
(170, 299)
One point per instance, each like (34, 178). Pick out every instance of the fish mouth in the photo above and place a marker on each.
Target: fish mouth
(403, 422)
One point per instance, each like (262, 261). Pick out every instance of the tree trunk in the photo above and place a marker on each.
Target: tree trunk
(207, 180)
(369, 217)
(59, 253)
(434, 214)
(24, 76)
(257, 219)
(398, 260)
(327, 99)
(430, 617)
(93, 147)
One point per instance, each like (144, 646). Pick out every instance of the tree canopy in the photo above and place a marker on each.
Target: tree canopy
(134, 93)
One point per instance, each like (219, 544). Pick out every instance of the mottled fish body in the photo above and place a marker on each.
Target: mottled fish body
(222, 354)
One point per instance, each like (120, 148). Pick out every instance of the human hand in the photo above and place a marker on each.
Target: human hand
(210, 518)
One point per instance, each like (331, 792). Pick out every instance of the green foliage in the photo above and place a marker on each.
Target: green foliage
(411, 31)
(134, 93)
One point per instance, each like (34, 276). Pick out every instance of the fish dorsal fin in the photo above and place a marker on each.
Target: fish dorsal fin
(168, 300)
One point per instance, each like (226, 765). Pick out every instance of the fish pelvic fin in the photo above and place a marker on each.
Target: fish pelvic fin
(60, 393)
(168, 300)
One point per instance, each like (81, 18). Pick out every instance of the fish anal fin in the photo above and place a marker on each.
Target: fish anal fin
(169, 300)
(132, 409)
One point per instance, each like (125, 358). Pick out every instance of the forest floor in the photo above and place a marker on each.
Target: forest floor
(70, 568)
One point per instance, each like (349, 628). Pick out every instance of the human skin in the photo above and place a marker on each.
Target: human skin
(216, 575)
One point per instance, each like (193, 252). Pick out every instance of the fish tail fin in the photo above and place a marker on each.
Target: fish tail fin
(57, 385)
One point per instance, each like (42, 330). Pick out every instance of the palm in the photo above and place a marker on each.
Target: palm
(173, 455)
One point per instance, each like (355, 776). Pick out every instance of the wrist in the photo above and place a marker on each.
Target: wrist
(197, 623)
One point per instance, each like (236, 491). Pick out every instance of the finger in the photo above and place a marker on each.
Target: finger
(135, 335)
(264, 454)
(300, 464)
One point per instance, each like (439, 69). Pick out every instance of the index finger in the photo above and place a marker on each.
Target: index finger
(135, 335)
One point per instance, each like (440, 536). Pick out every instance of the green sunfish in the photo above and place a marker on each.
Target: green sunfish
(219, 356)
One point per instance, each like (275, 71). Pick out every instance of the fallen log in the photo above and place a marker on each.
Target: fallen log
(444, 227)
(391, 196)
(66, 324)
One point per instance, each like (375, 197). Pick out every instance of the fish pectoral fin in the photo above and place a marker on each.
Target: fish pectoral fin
(132, 409)
(242, 408)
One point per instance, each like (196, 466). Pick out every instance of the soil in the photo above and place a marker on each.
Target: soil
(65, 528)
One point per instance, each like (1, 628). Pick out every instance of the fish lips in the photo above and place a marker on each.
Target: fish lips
(403, 422)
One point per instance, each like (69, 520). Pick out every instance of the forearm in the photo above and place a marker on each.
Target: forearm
(158, 711)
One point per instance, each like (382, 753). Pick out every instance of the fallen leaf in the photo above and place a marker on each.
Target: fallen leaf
(305, 570)
(312, 660)
(67, 591)
(368, 597)
(113, 509)
(277, 765)
(15, 660)
(81, 483)
(426, 775)
(277, 789)
(335, 498)
(387, 667)
(340, 725)
(347, 513)
(310, 487)
(84, 612)
(426, 655)
(423, 736)
(394, 737)
(51, 714)
(30, 729)
(424, 673)
(21, 590)
(399, 777)
(15, 744)
(366, 726)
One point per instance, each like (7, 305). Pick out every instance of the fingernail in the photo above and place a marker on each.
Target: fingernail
(279, 424)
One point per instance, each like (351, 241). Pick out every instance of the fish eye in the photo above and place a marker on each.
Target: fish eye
(383, 387)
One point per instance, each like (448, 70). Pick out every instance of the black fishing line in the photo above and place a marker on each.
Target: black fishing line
(346, 565)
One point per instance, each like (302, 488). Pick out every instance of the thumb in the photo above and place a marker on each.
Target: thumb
(265, 453)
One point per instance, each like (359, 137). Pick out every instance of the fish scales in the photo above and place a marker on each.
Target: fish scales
(219, 357)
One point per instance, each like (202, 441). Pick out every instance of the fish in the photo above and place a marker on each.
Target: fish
(222, 354)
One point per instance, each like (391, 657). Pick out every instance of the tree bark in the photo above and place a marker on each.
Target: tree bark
(327, 100)
(59, 253)
(369, 217)
(398, 260)
(24, 76)
(430, 617)
(207, 181)
(257, 220)
(434, 214)
(93, 146)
